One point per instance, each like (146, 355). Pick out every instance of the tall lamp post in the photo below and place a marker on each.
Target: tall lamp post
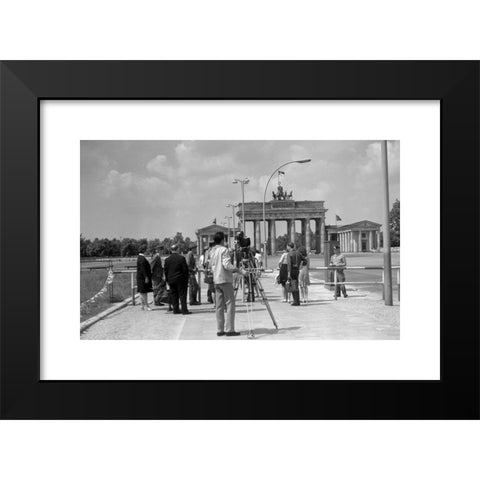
(233, 205)
(228, 227)
(264, 196)
(387, 257)
(242, 185)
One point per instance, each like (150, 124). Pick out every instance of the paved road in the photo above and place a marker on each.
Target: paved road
(361, 316)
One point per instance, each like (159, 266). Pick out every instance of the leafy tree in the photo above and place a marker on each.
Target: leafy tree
(84, 243)
(129, 247)
(282, 241)
(167, 243)
(153, 245)
(394, 224)
(179, 240)
(115, 248)
(142, 245)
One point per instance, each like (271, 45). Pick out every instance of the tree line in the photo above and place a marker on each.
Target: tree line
(129, 247)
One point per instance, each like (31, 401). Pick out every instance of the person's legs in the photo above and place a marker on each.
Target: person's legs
(157, 293)
(295, 293)
(341, 278)
(175, 296)
(144, 297)
(219, 312)
(193, 289)
(182, 291)
(210, 292)
(229, 297)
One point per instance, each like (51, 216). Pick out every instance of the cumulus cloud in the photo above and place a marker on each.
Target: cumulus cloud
(139, 190)
(192, 161)
(182, 185)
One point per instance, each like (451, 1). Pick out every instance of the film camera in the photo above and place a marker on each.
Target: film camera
(242, 247)
(243, 242)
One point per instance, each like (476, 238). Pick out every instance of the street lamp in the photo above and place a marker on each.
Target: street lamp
(242, 185)
(233, 205)
(228, 227)
(264, 196)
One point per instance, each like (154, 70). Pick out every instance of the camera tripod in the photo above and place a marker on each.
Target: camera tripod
(251, 285)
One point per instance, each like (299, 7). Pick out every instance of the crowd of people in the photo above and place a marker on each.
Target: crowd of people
(176, 279)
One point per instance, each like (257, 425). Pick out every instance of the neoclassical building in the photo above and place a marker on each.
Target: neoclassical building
(205, 235)
(363, 236)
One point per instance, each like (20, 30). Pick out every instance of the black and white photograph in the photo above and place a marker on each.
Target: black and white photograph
(240, 240)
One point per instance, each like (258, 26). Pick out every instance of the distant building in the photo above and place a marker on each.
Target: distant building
(205, 235)
(283, 208)
(363, 236)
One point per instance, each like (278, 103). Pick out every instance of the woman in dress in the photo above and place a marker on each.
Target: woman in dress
(304, 275)
(283, 276)
(144, 278)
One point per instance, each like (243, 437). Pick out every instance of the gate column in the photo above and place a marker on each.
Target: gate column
(306, 222)
(273, 237)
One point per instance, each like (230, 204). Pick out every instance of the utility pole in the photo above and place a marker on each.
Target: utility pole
(387, 256)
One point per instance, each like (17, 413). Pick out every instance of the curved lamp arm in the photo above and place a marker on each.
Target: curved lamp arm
(264, 196)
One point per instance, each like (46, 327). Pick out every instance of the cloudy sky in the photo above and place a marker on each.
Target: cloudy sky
(157, 188)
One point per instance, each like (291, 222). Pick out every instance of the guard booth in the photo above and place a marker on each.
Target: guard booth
(329, 250)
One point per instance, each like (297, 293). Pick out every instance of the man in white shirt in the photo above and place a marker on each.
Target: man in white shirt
(223, 270)
(338, 260)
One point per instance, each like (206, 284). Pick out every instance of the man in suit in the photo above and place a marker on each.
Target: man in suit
(144, 278)
(176, 275)
(294, 260)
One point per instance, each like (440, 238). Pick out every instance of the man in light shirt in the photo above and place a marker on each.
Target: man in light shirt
(223, 270)
(338, 260)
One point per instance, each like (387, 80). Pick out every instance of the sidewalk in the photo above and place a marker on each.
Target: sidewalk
(361, 316)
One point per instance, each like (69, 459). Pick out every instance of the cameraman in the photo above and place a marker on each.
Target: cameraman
(223, 270)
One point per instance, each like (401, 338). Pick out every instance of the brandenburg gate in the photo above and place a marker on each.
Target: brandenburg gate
(284, 208)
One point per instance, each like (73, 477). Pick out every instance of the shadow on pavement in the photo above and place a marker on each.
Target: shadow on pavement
(273, 331)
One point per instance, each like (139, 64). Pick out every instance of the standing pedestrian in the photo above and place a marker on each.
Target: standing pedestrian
(338, 260)
(176, 275)
(304, 275)
(144, 277)
(283, 275)
(209, 275)
(223, 270)
(158, 283)
(192, 280)
(294, 260)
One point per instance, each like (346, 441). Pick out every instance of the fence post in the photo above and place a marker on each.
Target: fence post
(335, 282)
(199, 287)
(133, 288)
(383, 284)
(398, 283)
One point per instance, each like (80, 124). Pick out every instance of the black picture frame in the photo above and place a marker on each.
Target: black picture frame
(24, 84)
